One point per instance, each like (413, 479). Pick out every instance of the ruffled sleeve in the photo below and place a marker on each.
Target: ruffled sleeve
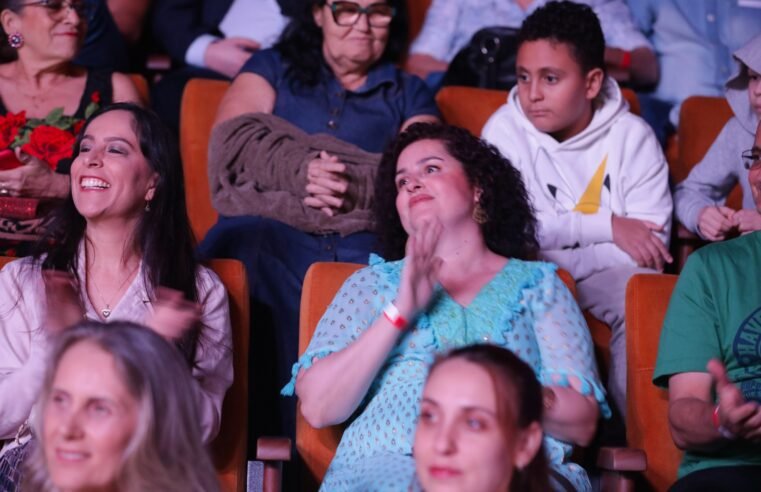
(353, 310)
(564, 341)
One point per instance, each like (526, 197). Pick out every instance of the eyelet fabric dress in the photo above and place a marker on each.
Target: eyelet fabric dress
(525, 308)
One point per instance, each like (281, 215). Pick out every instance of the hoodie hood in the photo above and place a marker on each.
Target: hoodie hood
(736, 88)
(612, 106)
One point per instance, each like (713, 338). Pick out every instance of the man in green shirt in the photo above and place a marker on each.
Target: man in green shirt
(709, 358)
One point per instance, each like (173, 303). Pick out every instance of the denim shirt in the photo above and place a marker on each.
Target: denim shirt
(368, 117)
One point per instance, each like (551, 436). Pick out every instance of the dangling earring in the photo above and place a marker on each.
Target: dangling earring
(479, 214)
(148, 206)
(16, 40)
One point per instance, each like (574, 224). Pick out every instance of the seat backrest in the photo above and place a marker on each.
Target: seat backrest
(471, 107)
(416, 10)
(316, 447)
(199, 108)
(647, 298)
(142, 87)
(228, 449)
(701, 119)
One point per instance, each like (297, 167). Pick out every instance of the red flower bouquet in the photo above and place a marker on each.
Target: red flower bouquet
(50, 139)
(50, 144)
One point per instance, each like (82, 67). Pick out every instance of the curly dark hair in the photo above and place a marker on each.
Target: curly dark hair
(510, 229)
(301, 42)
(568, 22)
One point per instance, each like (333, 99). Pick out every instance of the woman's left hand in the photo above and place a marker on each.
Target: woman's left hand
(173, 315)
(34, 179)
(327, 184)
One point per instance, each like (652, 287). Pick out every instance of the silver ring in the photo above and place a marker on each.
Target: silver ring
(4, 191)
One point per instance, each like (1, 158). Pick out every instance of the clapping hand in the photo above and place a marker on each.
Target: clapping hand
(327, 184)
(172, 315)
(637, 238)
(421, 269)
(740, 417)
(64, 306)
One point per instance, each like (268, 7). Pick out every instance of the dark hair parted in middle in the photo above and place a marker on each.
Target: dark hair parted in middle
(571, 23)
(301, 42)
(511, 227)
(162, 237)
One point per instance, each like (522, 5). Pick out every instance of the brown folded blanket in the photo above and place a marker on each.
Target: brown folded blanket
(258, 166)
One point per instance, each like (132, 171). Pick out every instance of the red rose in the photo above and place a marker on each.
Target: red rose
(95, 97)
(50, 144)
(76, 127)
(10, 124)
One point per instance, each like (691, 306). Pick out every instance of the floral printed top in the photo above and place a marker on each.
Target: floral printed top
(51, 139)
(525, 308)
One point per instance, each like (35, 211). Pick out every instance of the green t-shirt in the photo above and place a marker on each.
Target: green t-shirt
(715, 312)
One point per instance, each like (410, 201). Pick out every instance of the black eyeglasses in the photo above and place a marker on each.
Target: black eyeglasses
(57, 8)
(752, 158)
(347, 14)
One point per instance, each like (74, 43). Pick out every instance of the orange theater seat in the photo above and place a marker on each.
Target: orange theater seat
(647, 298)
(700, 122)
(199, 108)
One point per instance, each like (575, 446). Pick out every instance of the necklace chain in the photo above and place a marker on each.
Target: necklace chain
(106, 311)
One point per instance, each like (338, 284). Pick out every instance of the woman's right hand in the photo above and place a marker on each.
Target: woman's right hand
(421, 269)
(34, 179)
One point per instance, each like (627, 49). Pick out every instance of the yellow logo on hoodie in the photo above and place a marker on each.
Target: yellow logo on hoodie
(589, 203)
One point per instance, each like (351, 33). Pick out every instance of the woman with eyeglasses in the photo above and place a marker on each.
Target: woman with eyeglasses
(44, 99)
(700, 200)
(294, 152)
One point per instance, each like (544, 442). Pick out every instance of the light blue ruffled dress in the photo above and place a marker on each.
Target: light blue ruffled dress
(525, 308)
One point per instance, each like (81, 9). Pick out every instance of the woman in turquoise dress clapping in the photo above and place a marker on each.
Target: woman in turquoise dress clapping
(457, 230)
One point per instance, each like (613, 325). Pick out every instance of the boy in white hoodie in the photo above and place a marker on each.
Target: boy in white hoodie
(595, 172)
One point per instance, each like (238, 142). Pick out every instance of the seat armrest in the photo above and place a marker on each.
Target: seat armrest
(273, 449)
(622, 459)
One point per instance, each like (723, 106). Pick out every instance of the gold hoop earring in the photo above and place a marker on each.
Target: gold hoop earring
(479, 214)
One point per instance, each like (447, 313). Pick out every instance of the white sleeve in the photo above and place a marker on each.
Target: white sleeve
(23, 346)
(213, 369)
(197, 49)
(645, 180)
